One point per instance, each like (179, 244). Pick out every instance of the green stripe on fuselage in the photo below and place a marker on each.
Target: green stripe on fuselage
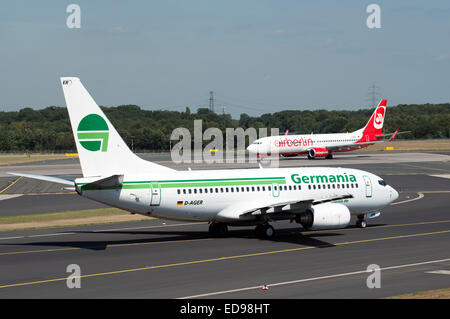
(194, 183)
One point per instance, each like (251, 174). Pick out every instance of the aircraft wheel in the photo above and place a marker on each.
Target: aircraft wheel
(269, 231)
(265, 231)
(361, 223)
(329, 156)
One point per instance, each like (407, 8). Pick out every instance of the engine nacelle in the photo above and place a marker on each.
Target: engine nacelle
(318, 152)
(325, 216)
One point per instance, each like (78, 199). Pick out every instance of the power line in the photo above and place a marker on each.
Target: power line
(211, 101)
(373, 95)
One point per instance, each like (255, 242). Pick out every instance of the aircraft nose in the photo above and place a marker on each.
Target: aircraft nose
(251, 148)
(394, 194)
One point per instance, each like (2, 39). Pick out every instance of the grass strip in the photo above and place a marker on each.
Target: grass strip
(428, 294)
(67, 218)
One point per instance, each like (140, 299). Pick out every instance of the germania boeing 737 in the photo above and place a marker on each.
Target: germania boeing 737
(324, 145)
(316, 198)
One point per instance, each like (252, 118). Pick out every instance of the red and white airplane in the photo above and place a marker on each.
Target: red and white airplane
(324, 145)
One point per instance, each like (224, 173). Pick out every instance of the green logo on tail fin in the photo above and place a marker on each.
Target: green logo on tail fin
(93, 133)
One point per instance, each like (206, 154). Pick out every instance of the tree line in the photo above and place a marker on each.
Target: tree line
(49, 129)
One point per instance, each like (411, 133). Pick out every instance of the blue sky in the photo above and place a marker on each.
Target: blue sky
(258, 56)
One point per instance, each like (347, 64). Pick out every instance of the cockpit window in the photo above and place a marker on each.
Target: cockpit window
(382, 183)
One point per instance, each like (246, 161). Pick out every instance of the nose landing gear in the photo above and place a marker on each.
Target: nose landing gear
(360, 222)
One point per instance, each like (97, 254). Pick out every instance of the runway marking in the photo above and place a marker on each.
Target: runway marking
(103, 230)
(40, 194)
(439, 272)
(15, 181)
(100, 246)
(9, 196)
(425, 168)
(187, 240)
(223, 259)
(442, 176)
(313, 279)
(383, 226)
(421, 195)
(144, 227)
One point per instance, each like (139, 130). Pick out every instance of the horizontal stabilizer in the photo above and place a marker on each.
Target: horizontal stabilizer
(392, 134)
(104, 183)
(46, 178)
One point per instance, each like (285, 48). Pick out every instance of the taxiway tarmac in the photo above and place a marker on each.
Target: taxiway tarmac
(409, 241)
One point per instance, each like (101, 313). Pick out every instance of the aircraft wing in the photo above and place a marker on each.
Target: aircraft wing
(353, 145)
(244, 211)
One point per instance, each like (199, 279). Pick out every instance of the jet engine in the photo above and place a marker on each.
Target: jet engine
(318, 152)
(325, 216)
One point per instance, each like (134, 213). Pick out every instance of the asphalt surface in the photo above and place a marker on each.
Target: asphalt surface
(161, 259)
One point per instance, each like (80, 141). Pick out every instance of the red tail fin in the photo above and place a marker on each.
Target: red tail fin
(375, 125)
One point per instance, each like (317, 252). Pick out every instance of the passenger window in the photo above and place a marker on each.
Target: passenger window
(178, 191)
(190, 191)
(184, 191)
(257, 188)
(253, 188)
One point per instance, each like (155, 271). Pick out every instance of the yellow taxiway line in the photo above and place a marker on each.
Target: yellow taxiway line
(224, 258)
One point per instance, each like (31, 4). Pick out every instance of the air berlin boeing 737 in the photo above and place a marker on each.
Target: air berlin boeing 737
(316, 198)
(324, 145)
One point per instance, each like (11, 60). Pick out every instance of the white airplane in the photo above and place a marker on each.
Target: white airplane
(316, 198)
(324, 145)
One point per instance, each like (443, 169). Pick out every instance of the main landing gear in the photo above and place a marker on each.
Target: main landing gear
(218, 229)
(360, 222)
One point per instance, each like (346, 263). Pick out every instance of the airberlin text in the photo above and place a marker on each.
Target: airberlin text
(294, 142)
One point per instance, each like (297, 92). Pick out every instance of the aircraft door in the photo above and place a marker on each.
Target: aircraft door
(155, 194)
(368, 186)
(275, 190)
